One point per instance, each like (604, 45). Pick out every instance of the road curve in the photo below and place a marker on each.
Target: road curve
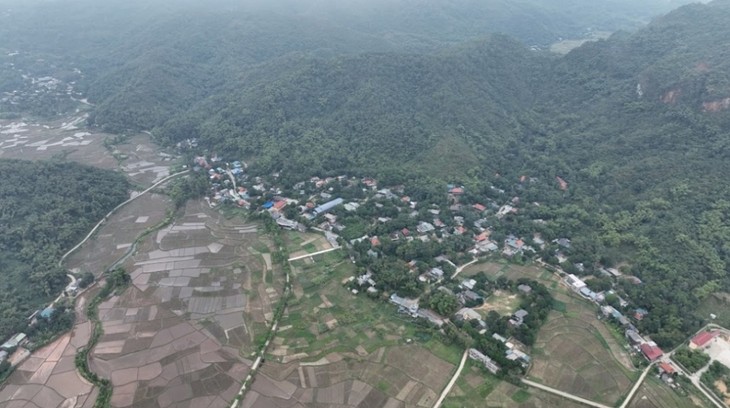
(451, 383)
(564, 394)
(462, 267)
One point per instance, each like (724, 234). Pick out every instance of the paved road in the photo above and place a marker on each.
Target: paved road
(564, 394)
(294, 258)
(451, 383)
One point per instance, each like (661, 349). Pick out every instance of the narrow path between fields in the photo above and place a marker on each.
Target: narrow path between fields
(451, 383)
(294, 258)
(564, 394)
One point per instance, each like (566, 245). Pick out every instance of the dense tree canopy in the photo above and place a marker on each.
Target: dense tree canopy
(45, 209)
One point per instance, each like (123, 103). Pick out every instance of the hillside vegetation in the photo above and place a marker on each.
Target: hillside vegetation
(45, 209)
(636, 124)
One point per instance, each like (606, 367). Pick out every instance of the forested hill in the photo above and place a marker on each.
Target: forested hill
(637, 124)
(45, 209)
(142, 61)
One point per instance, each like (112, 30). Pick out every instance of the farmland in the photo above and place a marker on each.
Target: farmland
(576, 353)
(175, 335)
(477, 389)
(653, 393)
(49, 378)
(338, 348)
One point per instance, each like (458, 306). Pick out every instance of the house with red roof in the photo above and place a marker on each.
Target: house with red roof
(456, 191)
(482, 237)
(702, 339)
(374, 241)
(666, 368)
(651, 352)
(279, 205)
(479, 207)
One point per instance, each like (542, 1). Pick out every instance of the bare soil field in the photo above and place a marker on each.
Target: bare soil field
(575, 353)
(174, 337)
(48, 378)
(502, 302)
(338, 349)
(117, 235)
(68, 139)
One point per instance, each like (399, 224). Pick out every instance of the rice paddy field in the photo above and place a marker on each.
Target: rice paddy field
(180, 334)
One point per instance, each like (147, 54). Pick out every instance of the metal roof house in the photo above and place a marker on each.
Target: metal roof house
(327, 206)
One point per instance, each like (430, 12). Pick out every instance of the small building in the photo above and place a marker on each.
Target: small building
(467, 314)
(327, 206)
(575, 282)
(634, 337)
(405, 305)
(666, 368)
(468, 284)
(651, 351)
(47, 312)
(489, 364)
(526, 289)
(640, 313)
(702, 339)
(14, 342)
(431, 316)
(425, 227)
(499, 338)
(436, 273)
(518, 317)
(471, 296)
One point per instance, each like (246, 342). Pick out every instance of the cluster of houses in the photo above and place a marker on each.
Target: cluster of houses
(647, 348)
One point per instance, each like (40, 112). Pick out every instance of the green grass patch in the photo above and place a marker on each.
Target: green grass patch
(520, 396)
(310, 247)
(559, 306)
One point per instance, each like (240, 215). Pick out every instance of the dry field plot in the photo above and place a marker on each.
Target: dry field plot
(502, 302)
(48, 378)
(653, 393)
(575, 353)
(338, 349)
(476, 389)
(35, 141)
(116, 236)
(174, 337)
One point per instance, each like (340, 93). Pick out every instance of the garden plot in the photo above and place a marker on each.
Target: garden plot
(174, 336)
(49, 378)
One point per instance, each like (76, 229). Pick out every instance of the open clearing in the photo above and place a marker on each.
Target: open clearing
(502, 302)
(174, 337)
(338, 349)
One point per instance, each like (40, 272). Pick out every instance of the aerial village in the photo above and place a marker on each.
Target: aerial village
(433, 241)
